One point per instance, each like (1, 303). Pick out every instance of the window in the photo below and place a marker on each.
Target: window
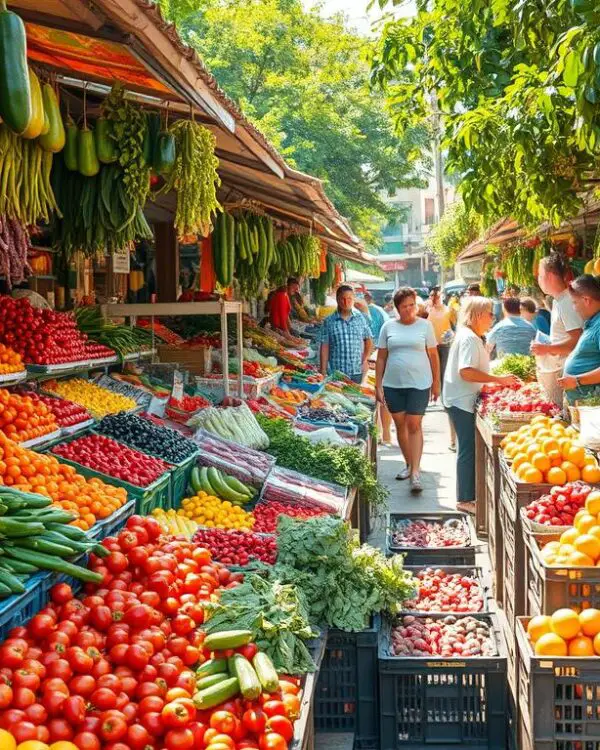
(429, 211)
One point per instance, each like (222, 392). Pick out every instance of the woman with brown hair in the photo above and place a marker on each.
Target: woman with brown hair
(407, 374)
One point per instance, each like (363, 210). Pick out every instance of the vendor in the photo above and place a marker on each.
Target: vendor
(279, 305)
(565, 326)
(346, 339)
(582, 368)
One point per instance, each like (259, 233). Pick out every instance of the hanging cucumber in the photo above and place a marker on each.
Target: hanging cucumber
(106, 149)
(71, 146)
(230, 247)
(153, 126)
(165, 154)
(54, 139)
(87, 160)
(15, 89)
(36, 123)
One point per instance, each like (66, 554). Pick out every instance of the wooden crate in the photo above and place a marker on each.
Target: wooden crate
(197, 360)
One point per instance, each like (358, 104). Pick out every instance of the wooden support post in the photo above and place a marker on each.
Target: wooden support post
(167, 261)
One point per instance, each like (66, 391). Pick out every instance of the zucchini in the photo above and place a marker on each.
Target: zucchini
(54, 140)
(36, 124)
(212, 679)
(48, 562)
(165, 154)
(87, 160)
(241, 668)
(70, 151)
(226, 639)
(76, 546)
(216, 694)
(105, 146)
(5, 591)
(15, 89)
(266, 672)
(16, 566)
(39, 544)
(10, 579)
(15, 527)
(212, 666)
(72, 532)
(51, 515)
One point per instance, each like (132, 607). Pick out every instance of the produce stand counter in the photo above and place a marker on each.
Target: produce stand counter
(304, 728)
(221, 308)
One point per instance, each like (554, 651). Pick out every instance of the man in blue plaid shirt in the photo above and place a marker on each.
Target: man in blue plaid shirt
(346, 338)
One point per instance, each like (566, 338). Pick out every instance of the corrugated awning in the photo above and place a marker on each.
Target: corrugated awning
(503, 231)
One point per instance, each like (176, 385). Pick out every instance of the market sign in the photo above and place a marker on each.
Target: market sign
(393, 265)
(121, 261)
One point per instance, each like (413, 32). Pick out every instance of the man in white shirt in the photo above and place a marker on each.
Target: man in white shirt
(565, 325)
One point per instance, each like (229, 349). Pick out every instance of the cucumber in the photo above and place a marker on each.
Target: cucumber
(205, 484)
(266, 672)
(49, 562)
(237, 486)
(212, 679)
(10, 579)
(222, 489)
(210, 667)
(38, 544)
(195, 479)
(216, 694)
(241, 668)
(15, 527)
(225, 639)
(18, 567)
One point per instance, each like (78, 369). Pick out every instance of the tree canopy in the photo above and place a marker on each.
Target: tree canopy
(304, 81)
(517, 83)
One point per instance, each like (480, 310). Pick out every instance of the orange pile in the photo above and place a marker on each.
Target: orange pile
(10, 361)
(547, 451)
(88, 499)
(579, 545)
(22, 418)
(566, 633)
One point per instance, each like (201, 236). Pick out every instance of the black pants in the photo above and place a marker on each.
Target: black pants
(464, 424)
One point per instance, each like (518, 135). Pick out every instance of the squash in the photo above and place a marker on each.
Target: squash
(71, 146)
(87, 160)
(54, 139)
(16, 108)
(36, 124)
(165, 154)
(105, 146)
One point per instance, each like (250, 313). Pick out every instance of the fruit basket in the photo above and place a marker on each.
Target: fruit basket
(455, 528)
(461, 589)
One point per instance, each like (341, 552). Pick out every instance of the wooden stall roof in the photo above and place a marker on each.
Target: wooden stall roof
(100, 40)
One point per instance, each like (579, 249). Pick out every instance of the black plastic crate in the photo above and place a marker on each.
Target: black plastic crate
(346, 695)
(442, 703)
(559, 698)
(437, 556)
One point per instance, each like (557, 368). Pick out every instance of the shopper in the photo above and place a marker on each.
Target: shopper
(513, 334)
(466, 372)
(378, 316)
(582, 367)
(407, 373)
(473, 290)
(280, 305)
(443, 320)
(346, 339)
(538, 317)
(565, 326)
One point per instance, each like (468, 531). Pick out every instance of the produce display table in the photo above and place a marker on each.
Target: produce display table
(304, 728)
(487, 489)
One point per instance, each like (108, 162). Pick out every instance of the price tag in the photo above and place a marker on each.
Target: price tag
(177, 391)
(121, 261)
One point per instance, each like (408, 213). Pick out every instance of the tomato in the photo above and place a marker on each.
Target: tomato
(59, 730)
(12, 656)
(86, 741)
(60, 669)
(110, 681)
(61, 593)
(169, 673)
(36, 713)
(53, 702)
(199, 730)
(83, 685)
(12, 716)
(6, 696)
(255, 720)
(138, 737)
(187, 681)
(175, 693)
(23, 731)
(182, 624)
(136, 657)
(179, 739)
(150, 704)
(27, 679)
(104, 699)
(274, 708)
(281, 725)
(223, 721)
(40, 626)
(292, 706)
(148, 674)
(33, 665)
(272, 741)
(138, 616)
(43, 734)
(152, 721)
(287, 687)
(23, 697)
(249, 651)
(113, 728)
(67, 626)
(74, 710)
(176, 714)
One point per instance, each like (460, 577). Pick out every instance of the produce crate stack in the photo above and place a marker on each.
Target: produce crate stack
(414, 535)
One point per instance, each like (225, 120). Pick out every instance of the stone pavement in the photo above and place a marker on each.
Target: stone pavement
(438, 476)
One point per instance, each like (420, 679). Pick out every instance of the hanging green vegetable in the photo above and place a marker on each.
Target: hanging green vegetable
(87, 160)
(36, 124)
(105, 146)
(194, 177)
(15, 89)
(53, 139)
(71, 144)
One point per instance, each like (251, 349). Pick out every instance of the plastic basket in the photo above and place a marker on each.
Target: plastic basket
(347, 693)
(442, 702)
(114, 523)
(179, 480)
(436, 556)
(559, 698)
(20, 608)
(466, 570)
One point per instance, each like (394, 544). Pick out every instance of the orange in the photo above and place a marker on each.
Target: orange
(518, 460)
(591, 473)
(550, 644)
(7, 741)
(592, 502)
(576, 455)
(585, 523)
(589, 620)
(532, 476)
(568, 536)
(538, 626)
(565, 447)
(541, 462)
(581, 646)
(595, 531)
(590, 460)
(579, 560)
(565, 623)
(588, 545)
(597, 644)
(550, 444)
(556, 476)
(520, 472)
(532, 449)
(572, 471)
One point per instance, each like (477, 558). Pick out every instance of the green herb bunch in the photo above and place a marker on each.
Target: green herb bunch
(521, 365)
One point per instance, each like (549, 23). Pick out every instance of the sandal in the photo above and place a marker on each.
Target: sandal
(403, 474)
(415, 484)
(468, 507)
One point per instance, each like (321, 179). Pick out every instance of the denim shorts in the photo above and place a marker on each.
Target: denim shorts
(408, 400)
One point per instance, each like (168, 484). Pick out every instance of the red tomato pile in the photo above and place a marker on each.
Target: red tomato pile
(43, 336)
(448, 636)
(266, 514)
(115, 459)
(558, 508)
(114, 671)
(439, 591)
(237, 547)
(523, 398)
(452, 533)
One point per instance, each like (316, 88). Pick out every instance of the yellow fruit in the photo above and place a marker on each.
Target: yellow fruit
(565, 623)
(591, 473)
(567, 537)
(589, 620)
(7, 741)
(550, 644)
(572, 471)
(37, 745)
(532, 449)
(579, 560)
(576, 455)
(588, 545)
(556, 476)
(581, 646)
(585, 523)
(63, 745)
(538, 626)
(541, 462)
(532, 476)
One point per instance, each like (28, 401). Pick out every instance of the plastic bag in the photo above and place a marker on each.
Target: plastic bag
(589, 426)
(323, 435)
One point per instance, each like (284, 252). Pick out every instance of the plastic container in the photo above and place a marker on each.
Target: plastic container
(114, 523)
(465, 570)
(442, 702)
(18, 609)
(179, 479)
(347, 692)
(434, 556)
(558, 698)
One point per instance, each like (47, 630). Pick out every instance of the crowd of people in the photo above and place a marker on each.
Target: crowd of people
(437, 350)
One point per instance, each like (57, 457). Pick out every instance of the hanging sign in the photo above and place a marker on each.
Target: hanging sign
(121, 261)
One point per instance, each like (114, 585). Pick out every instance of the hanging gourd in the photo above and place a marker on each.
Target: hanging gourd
(36, 123)
(87, 159)
(15, 87)
(53, 140)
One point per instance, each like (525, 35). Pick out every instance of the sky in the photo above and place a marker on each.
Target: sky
(356, 10)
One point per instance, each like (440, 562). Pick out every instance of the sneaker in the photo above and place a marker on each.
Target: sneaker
(403, 474)
(415, 484)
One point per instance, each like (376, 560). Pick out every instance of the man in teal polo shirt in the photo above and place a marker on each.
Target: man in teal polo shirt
(582, 369)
